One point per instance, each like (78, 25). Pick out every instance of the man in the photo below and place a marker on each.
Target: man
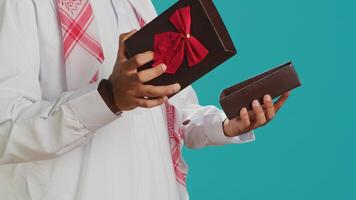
(76, 120)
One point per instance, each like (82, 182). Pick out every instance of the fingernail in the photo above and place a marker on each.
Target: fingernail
(255, 103)
(244, 110)
(165, 99)
(164, 67)
(268, 98)
(177, 87)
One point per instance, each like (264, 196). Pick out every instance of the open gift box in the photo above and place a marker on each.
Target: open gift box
(274, 82)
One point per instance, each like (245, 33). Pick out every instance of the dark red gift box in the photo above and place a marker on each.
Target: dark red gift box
(190, 38)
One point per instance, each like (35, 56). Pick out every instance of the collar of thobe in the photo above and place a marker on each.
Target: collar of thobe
(145, 8)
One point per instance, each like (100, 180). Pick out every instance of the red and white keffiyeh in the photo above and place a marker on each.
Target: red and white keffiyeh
(83, 52)
(175, 132)
(176, 140)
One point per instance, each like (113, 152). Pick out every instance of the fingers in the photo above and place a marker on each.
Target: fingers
(122, 48)
(157, 95)
(152, 73)
(150, 103)
(269, 107)
(245, 119)
(259, 113)
(139, 60)
(280, 102)
(158, 91)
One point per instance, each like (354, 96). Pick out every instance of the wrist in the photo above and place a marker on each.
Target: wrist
(225, 127)
(106, 92)
(230, 128)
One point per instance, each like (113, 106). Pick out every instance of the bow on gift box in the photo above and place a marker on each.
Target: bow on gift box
(170, 47)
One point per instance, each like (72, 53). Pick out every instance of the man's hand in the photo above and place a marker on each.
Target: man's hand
(129, 90)
(260, 116)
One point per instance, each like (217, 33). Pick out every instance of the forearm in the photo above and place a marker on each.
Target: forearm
(39, 130)
(203, 125)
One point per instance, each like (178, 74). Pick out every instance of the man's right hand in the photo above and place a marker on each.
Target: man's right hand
(129, 90)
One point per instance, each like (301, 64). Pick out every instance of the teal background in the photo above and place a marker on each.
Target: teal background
(309, 150)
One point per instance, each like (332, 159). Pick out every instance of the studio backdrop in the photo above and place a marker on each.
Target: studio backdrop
(309, 150)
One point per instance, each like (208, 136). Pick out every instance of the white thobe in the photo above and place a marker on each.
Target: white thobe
(67, 145)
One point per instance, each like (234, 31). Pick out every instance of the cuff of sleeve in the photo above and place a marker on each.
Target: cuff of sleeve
(90, 109)
(218, 136)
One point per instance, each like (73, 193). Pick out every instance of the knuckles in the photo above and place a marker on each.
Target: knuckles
(259, 111)
(145, 104)
(142, 58)
(138, 60)
(246, 124)
(123, 37)
(140, 77)
(149, 92)
(158, 71)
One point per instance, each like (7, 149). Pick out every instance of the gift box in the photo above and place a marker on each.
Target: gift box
(274, 82)
(189, 37)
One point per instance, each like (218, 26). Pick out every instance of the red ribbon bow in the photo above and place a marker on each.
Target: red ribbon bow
(169, 47)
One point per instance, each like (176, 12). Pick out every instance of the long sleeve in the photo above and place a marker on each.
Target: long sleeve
(203, 125)
(30, 127)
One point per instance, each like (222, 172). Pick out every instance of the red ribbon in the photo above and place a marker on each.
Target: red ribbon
(170, 47)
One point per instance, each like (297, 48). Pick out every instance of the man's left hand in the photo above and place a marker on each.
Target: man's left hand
(258, 117)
